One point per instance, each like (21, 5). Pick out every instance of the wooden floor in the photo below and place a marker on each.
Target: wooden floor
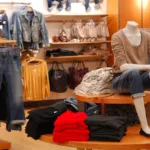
(20, 141)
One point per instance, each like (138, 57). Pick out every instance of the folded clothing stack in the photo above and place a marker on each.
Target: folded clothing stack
(41, 121)
(70, 126)
(60, 52)
(106, 128)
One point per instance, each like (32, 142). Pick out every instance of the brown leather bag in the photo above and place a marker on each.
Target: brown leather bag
(58, 78)
(76, 73)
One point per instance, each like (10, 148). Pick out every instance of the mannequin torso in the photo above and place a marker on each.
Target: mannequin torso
(132, 33)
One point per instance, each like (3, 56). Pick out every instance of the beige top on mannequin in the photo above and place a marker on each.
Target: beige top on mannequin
(131, 48)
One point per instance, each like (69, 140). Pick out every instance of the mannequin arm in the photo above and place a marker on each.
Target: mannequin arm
(126, 67)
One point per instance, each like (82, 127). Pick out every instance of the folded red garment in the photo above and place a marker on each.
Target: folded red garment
(63, 137)
(67, 127)
(69, 118)
(79, 132)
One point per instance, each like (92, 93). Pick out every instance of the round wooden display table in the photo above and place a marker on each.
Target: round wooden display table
(111, 98)
(132, 141)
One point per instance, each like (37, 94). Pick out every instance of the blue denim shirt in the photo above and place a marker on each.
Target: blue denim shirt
(23, 31)
(5, 24)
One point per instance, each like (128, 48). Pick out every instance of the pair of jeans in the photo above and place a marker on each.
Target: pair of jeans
(60, 5)
(5, 26)
(87, 4)
(91, 109)
(72, 104)
(52, 2)
(10, 76)
(133, 82)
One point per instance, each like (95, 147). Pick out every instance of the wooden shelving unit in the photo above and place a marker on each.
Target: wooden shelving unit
(73, 58)
(68, 18)
(64, 95)
(78, 43)
(74, 15)
(71, 18)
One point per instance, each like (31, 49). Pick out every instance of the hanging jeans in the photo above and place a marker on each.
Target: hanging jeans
(52, 2)
(5, 26)
(87, 4)
(10, 76)
(60, 5)
(132, 81)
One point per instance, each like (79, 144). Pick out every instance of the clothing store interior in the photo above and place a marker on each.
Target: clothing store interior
(74, 74)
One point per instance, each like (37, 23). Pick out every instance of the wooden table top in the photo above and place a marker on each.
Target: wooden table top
(132, 140)
(111, 98)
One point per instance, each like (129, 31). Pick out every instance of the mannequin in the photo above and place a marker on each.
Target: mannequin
(134, 36)
(131, 69)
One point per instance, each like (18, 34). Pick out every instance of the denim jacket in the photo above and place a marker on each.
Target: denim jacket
(5, 25)
(26, 29)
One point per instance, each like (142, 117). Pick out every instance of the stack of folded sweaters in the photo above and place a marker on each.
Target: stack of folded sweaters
(106, 128)
(70, 126)
(41, 121)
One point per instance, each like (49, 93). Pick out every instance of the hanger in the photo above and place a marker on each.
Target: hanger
(34, 61)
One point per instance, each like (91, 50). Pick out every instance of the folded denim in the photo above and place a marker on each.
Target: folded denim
(91, 109)
(72, 104)
(87, 4)
(53, 2)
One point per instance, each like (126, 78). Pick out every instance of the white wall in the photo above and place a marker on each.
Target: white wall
(41, 5)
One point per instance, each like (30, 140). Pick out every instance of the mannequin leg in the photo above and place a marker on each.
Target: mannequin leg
(135, 81)
(140, 109)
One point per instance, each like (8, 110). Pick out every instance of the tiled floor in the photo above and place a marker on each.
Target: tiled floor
(20, 141)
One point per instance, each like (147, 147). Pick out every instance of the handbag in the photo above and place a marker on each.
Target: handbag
(103, 63)
(76, 73)
(58, 78)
